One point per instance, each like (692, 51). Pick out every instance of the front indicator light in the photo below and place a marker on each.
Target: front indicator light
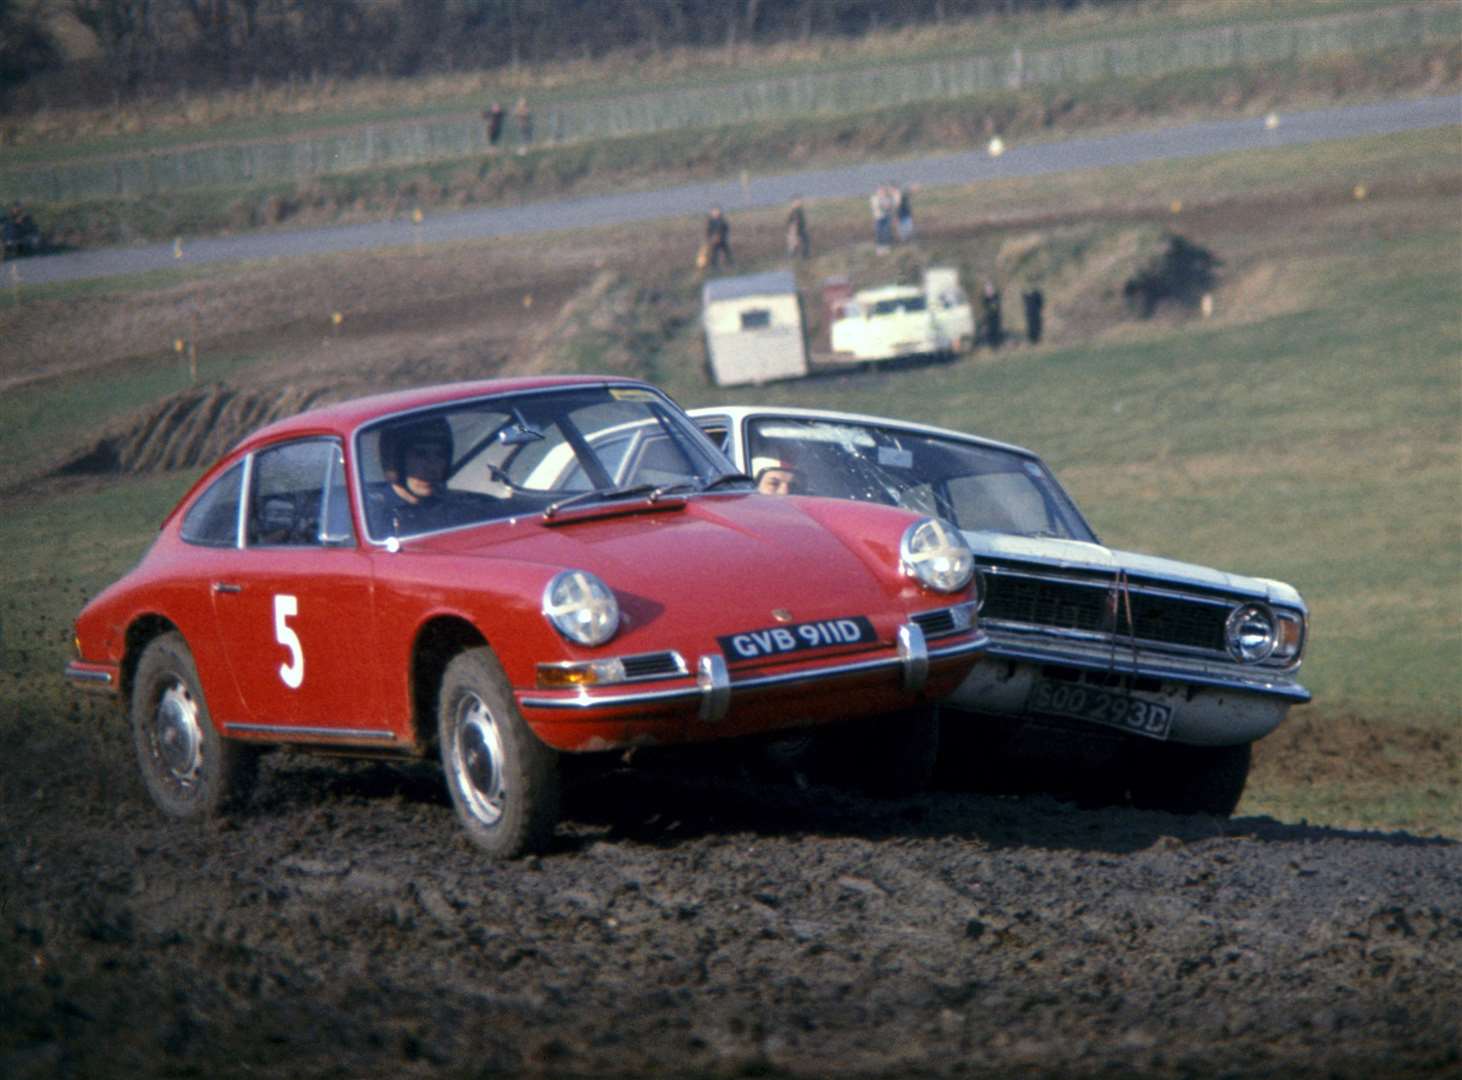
(572, 675)
(1291, 636)
(934, 554)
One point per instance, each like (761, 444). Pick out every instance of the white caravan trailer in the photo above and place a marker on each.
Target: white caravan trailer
(754, 329)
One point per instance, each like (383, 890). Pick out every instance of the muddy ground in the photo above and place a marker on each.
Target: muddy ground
(710, 920)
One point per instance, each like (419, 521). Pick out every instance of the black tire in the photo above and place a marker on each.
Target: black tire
(899, 752)
(189, 769)
(504, 782)
(1191, 779)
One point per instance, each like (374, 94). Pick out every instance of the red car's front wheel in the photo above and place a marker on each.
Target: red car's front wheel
(504, 782)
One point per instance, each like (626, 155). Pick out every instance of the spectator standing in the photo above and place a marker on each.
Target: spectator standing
(883, 203)
(524, 116)
(798, 243)
(1034, 301)
(990, 303)
(906, 213)
(718, 238)
(494, 117)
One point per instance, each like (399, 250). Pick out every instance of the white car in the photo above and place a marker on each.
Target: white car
(887, 323)
(1177, 668)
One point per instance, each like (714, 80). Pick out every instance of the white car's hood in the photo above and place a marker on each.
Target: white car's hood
(1079, 554)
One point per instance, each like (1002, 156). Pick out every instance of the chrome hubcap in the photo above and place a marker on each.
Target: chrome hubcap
(478, 760)
(177, 738)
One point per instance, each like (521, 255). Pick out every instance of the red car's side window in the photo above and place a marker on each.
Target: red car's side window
(297, 496)
(213, 520)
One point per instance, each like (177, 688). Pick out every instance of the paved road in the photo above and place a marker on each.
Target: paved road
(1190, 140)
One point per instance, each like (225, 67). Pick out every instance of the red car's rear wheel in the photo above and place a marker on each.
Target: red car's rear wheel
(190, 771)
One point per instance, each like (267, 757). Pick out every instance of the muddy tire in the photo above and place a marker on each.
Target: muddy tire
(189, 769)
(1191, 779)
(503, 781)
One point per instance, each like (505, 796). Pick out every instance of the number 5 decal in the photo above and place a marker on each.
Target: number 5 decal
(293, 673)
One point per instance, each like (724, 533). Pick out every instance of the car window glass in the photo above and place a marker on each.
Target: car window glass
(974, 486)
(288, 492)
(1000, 502)
(213, 519)
(718, 430)
(336, 527)
(518, 454)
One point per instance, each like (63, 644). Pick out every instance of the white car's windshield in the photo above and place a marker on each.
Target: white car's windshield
(901, 303)
(489, 458)
(972, 485)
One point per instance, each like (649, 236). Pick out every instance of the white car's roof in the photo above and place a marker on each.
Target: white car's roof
(887, 292)
(738, 413)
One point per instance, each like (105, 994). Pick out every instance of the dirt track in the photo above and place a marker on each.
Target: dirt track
(715, 923)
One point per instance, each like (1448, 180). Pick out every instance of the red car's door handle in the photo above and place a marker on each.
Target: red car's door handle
(227, 587)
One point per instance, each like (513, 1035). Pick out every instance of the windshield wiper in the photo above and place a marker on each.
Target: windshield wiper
(655, 492)
(599, 493)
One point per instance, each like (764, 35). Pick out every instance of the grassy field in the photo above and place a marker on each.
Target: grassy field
(1310, 431)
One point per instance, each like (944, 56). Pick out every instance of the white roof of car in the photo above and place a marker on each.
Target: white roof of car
(887, 292)
(738, 413)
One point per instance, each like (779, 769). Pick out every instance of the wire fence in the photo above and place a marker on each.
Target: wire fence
(814, 94)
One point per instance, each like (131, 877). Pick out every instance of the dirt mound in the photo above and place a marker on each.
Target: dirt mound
(189, 429)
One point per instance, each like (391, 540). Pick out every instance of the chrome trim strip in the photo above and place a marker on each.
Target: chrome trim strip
(714, 684)
(88, 675)
(585, 702)
(246, 494)
(313, 732)
(914, 655)
(1271, 684)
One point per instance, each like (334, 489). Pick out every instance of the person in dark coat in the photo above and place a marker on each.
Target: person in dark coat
(798, 243)
(1034, 302)
(990, 304)
(718, 238)
(494, 117)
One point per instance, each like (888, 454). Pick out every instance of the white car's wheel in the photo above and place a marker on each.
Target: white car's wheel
(503, 781)
(1191, 779)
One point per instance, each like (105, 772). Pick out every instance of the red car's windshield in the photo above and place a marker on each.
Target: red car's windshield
(488, 458)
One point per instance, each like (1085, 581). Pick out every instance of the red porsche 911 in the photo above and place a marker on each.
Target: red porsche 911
(499, 573)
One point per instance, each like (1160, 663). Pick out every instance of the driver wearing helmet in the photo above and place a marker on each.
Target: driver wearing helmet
(415, 461)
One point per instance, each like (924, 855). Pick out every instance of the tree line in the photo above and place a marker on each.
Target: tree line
(146, 48)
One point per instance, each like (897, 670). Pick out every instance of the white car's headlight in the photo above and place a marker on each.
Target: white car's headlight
(581, 607)
(1251, 633)
(933, 553)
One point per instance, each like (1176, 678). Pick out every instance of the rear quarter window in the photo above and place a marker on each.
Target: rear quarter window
(213, 520)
